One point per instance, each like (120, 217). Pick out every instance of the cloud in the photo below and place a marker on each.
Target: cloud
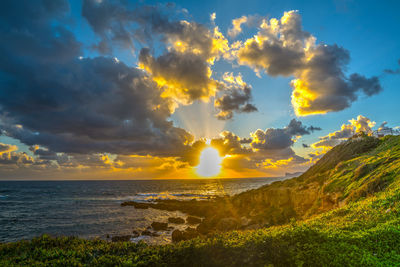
(184, 70)
(236, 97)
(389, 71)
(280, 138)
(250, 21)
(110, 20)
(190, 49)
(283, 48)
(11, 158)
(127, 25)
(87, 113)
(361, 124)
(322, 87)
(83, 108)
(264, 151)
(16, 158)
(185, 76)
(230, 144)
(52, 98)
(6, 148)
(237, 26)
(384, 129)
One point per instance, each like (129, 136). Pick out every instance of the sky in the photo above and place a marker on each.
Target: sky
(99, 89)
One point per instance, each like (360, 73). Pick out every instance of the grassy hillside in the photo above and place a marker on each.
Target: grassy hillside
(357, 181)
(350, 171)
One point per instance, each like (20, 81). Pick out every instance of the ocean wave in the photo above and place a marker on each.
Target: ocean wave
(146, 194)
(151, 196)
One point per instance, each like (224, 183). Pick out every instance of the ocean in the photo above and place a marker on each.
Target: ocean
(91, 209)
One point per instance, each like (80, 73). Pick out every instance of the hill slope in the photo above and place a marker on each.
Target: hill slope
(358, 181)
(352, 170)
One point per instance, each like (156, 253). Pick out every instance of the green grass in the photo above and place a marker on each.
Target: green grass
(365, 231)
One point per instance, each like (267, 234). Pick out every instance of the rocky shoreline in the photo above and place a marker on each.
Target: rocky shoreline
(204, 217)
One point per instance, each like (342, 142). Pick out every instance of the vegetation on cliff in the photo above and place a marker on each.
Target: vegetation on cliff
(344, 211)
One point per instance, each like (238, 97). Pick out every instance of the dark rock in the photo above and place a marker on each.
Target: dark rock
(190, 233)
(192, 207)
(176, 220)
(159, 226)
(149, 233)
(107, 236)
(177, 236)
(203, 228)
(121, 238)
(135, 234)
(193, 220)
(137, 205)
(209, 224)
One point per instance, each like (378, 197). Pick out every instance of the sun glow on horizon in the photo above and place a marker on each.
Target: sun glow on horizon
(210, 162)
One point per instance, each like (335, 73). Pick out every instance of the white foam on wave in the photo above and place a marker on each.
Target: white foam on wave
(151, 196)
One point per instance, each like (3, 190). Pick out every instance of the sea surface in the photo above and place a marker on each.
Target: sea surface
(91, 209)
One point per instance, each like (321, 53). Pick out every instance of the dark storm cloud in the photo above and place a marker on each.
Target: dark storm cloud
(7, 148)
(51, 98)
(127, 23)
(296, 127)
(109, 20)
(186, 74)
(28, 36)
(322, 85)
(235, 99)
(229, 143)
(9, 156)
(245, 140)
(369, 86)
(279, 138)
(275, 59)
(271, 139)
(89, 105)
(16, 158)
(124, 23)
(313, 128)
(183, 70)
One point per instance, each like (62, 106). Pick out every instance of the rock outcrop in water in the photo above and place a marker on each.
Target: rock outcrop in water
(159, 226)
(176, 220)
(193, 220)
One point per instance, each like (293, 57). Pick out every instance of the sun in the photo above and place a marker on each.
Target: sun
(210, 162)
